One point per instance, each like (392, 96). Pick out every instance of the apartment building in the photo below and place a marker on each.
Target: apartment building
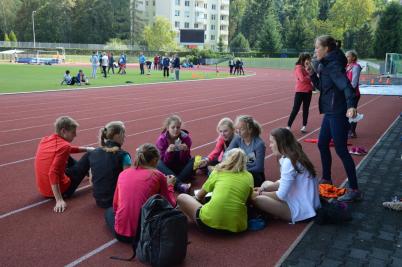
(210, 15)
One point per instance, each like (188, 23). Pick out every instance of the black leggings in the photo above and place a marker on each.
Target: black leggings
(183, 174)
(300, 98)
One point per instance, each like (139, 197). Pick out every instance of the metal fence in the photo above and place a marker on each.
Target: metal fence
(8, 44)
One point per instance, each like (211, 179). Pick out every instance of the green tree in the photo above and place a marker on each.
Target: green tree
(6, 38)
(270, 38)
(23, 26)
(8, 12)
(12, 36)
(300, 35)
(364, 41)
(253, 20)
(239, 44)
(388, 36)
(347, 15)
(236, 12)
(159, 36)
(221, 45)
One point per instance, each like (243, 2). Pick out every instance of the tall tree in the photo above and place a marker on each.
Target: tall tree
(8, 11)
(12, 36)
(253, 20)
(236, 12)
(388, 36)
(269, 38)
(23, 26)
(239, 44)
(159, 36)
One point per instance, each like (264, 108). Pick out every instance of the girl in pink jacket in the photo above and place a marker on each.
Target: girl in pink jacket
(303, 88)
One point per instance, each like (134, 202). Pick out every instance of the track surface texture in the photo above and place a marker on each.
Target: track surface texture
(31, 233)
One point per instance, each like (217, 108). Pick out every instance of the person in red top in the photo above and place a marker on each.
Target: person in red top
(134, 186)
(156, 62)
(226, 133)
(57, 174)
(303, 88)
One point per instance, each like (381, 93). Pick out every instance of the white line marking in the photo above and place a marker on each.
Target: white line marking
(124, 85)
(35, 204)
(91, 253)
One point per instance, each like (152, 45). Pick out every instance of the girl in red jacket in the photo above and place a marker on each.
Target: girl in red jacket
(303, 89)
(226, 133)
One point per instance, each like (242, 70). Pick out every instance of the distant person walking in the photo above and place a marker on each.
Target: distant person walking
(94, 62)
(105, 63)
(303, 89)
(111, 63)
(231, 66)
(141, 60)
(176, 66)
(166, 63)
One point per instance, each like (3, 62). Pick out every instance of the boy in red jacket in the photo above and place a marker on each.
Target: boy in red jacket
(57, 174)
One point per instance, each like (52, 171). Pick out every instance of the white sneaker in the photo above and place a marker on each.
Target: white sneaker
(287, 127)
(303, 129)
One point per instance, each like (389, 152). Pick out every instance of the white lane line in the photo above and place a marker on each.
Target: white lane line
(35, 204)
(198, 147)
(110, 243)
(124, 85)
(157, 129)
(91, 253)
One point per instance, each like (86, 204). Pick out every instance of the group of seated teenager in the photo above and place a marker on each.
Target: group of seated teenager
(79, 79)
(122, 184)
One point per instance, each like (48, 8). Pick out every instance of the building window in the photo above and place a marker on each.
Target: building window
(187, 13)
(205, 37)
(205, 27)
(212, 27)
(205, 16)
(213, 17)
(205, 5)
(177, 13)
(153, 3)
(213, 7)
(146, 3)
(186, 25)
(212, 37)
(187, 3)
(195, 26)
(177, 24)
(177, 2)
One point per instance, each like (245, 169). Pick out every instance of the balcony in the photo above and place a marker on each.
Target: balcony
(200, 19)
(225, 2)
(224, 22)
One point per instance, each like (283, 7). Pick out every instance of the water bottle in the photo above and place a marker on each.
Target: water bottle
(357, 118)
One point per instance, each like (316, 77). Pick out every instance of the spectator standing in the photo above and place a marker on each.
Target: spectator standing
(142, 60)
(166, 63)
(111, 63)
(105, 63)
(94, 62)
(176, 66)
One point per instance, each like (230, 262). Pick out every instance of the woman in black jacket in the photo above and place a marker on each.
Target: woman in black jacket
(337, 102)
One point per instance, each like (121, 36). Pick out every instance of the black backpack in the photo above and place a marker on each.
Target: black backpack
(333, 212)
(163, 237)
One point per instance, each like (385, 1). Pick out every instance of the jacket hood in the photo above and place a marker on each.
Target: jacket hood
(335, 56)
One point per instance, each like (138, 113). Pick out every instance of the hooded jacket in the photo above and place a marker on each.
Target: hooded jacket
(336, 92)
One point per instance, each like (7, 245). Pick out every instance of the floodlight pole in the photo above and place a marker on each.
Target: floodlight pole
(33, 27)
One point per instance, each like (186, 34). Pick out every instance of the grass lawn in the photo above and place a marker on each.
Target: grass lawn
(26, 78)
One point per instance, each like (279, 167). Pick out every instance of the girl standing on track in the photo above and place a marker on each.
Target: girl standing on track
(294, 197)
(353, 70)
(134, 187)
(107, 162)
(303, 88)
(337, 101)
(231, 186)
(226, 133)
(248, 139)
(174, 145)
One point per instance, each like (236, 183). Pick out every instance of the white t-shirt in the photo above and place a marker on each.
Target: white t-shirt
(298, 190)
(105, 61)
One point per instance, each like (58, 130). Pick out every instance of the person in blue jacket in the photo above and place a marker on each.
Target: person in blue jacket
(337, 103)
(142, 60)
(176, 66)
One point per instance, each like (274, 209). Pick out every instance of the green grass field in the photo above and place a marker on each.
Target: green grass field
(27, 78)
(273, 63)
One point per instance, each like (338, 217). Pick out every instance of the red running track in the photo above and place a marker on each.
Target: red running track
(32, 233)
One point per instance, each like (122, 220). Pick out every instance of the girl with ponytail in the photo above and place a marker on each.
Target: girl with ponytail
(134, 186)
(107, 161)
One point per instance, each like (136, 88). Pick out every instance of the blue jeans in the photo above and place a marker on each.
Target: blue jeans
(336, 126)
